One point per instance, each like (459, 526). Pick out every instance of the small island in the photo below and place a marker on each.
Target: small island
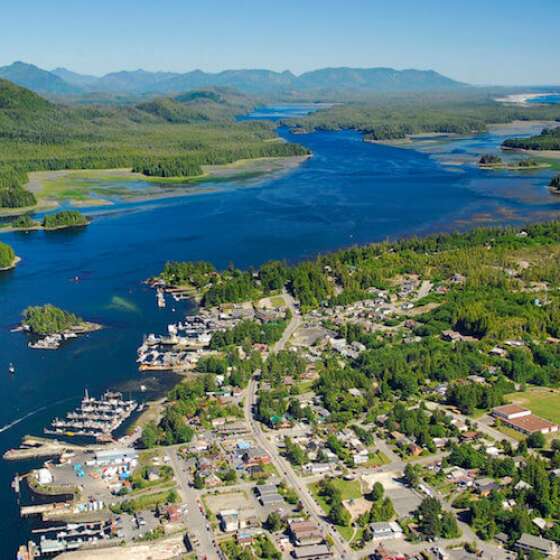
(554, 185)
(8, 258)
(64, 219)
(491, 161)
(59, 220)
(50, 326)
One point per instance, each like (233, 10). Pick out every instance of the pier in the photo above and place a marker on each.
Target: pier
(94, 417)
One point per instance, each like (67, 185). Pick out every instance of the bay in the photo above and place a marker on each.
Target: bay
(349, 192)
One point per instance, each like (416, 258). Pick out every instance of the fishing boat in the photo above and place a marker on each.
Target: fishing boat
(11, 369)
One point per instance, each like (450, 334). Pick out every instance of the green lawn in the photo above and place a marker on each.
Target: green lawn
(345, 532)
(542, 401)
(378, 459)
(349, 489)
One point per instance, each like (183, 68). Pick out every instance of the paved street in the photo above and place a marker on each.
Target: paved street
(199, 530)
(284, 468)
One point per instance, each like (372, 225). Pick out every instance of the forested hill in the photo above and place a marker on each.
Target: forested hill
(16, 98)
(166, 137)
(210, 104)
(252, 81)
(394, 117)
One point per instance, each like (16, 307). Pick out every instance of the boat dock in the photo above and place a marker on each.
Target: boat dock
(94, 417)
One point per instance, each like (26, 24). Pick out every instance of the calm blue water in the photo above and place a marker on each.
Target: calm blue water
(349, 192)
(552, 99)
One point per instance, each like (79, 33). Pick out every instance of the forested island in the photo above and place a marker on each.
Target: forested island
(59, 220)
(8, 258)
(548, 139)
(491, 161)
(165, 137)
(48, 319)
(64, 219)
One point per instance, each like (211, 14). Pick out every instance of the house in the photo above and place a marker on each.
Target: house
(255, 456)
(172, 513)
(451, 336)
(317, 468)
(360, 458)
(541, 523)
(528, 543)
(244, 538)
(414, 449)
(522, 485)
(213, 481)
(485, 486)
(386, 530)
(264, 489)
(381, 553)
(330, 456)
(305, 533)
(254, 470)
(497, 351)
(271, 499)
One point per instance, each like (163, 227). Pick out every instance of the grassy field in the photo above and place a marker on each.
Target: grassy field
(349, 489)
(542, 401)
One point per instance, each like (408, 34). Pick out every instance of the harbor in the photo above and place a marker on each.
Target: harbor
(97, 418)
(187, 341)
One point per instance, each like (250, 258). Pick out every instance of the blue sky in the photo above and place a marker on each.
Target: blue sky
(491, 41)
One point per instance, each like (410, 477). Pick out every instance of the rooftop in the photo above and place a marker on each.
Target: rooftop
(508, 409)
(531, 423)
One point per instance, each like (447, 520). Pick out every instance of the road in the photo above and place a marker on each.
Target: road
(294, 323)
(199, 530)
(282, 466)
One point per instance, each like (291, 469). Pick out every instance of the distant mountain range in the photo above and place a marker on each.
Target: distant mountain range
(256, 82)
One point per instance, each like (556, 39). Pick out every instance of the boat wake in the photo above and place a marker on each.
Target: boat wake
(32, 413)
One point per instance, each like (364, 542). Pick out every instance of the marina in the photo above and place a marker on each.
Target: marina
(97, 418)
(188, 340)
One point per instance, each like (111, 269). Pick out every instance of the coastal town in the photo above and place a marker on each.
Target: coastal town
(279, 444)
(280, 281)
